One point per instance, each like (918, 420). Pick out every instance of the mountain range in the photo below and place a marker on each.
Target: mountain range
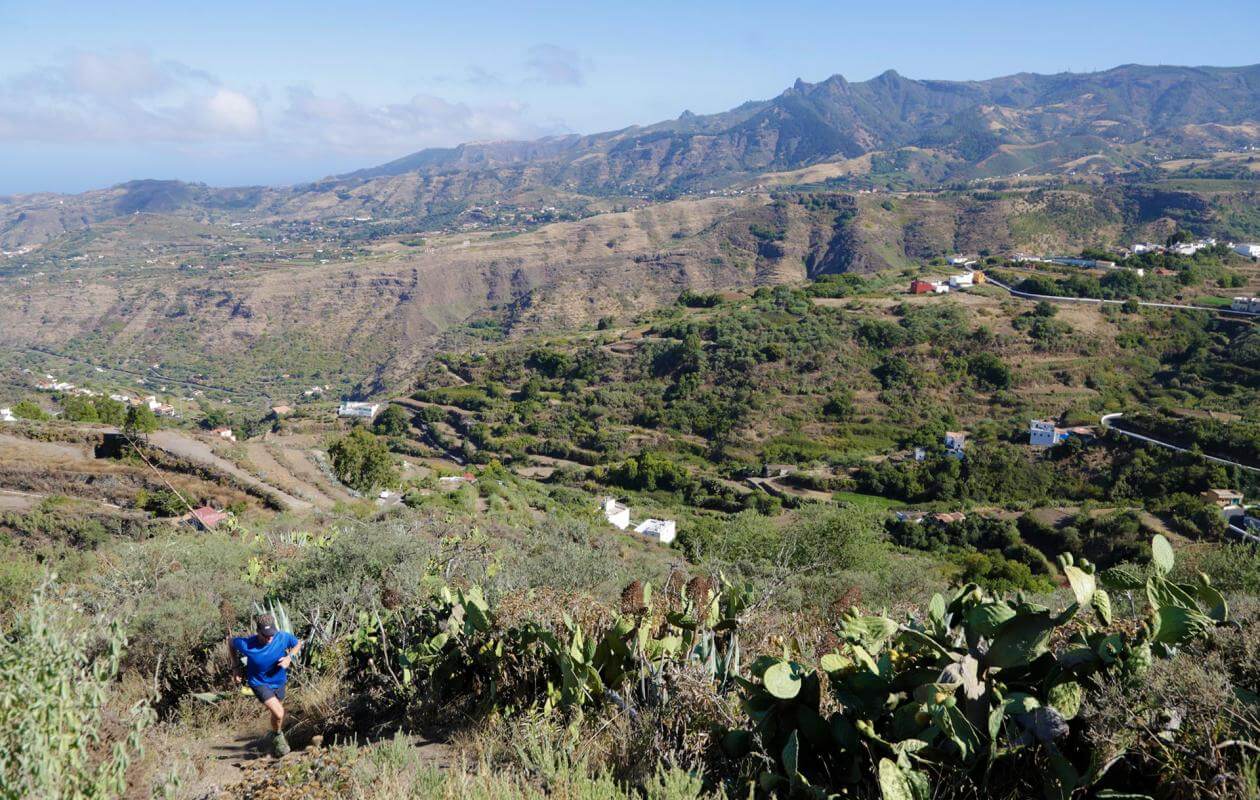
(889, 130)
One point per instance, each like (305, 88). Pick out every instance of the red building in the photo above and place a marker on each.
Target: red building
(921, 287)
(206, 517)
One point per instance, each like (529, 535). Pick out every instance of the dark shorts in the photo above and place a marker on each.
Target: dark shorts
(265, 693)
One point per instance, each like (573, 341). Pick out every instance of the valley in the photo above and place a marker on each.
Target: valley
(896, 438)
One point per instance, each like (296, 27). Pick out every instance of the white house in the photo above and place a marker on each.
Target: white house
(963, 281)
(1251, 304)
(6, 415)
(616, 513)
(1248, 250)
(1190, 248)
(961, 261)
(662, 530)
(224, 433)
(351, 408)
(940, 287)
(1090, 263)
(955, 442)
(1044, 433)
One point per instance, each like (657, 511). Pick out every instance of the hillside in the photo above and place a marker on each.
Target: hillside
(831, 380)
(1111, 121)
(268, 310)
(481, 631)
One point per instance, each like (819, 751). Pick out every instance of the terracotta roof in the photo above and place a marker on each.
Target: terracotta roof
(208, 517)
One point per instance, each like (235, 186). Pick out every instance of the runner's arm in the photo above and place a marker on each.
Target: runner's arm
(290, 654)
(238, 669)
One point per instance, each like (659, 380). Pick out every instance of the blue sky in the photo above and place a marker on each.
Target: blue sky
(92, 93)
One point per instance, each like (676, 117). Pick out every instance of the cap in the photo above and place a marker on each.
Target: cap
(267, 625)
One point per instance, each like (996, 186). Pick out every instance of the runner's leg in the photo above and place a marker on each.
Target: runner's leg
(277, 712)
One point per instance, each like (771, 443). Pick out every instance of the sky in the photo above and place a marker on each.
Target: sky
(277, 92)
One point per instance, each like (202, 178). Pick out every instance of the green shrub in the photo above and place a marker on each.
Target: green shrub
(25, 409)
(393, 421)
(57, 738)
(362, 461)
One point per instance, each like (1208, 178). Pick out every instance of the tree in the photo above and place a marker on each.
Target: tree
(25, 409)
(79, 409)
(110, 411)
(989, 371)
(393, 421)
(140, 420)
(362, 461)
(840, 406)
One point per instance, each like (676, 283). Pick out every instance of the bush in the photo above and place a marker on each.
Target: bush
(25, 409)
(56, 737)
(989, 371)
(393, 421)
(362, 461)
(160, 502)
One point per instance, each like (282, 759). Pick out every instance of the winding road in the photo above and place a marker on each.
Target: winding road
(1106, 423)
(1242, 533)
(1100, 302)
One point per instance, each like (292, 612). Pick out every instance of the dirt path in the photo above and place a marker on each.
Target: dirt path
(184, 446)
(12, 500)
(417, 405)
(19, 448)
(301, 463)
(262, 455)
(230, 760)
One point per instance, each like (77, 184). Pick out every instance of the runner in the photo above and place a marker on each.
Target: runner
(268, 655)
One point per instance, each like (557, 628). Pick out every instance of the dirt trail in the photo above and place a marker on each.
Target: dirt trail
(184, 446)
(263, 457)
(21, 502)
(302, 465)
(418, 405)
(231, 761)
(19, 448)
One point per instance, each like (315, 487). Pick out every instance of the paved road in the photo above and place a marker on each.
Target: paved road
(1106, 422)
(1245, 535)
(1096, 301)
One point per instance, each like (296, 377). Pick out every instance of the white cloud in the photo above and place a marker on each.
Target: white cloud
(343, 124)
(233, 113)
(558, 66)
(129, 98)
(124, 96)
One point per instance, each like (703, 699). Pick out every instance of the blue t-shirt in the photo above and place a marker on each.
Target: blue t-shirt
(261, 660)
